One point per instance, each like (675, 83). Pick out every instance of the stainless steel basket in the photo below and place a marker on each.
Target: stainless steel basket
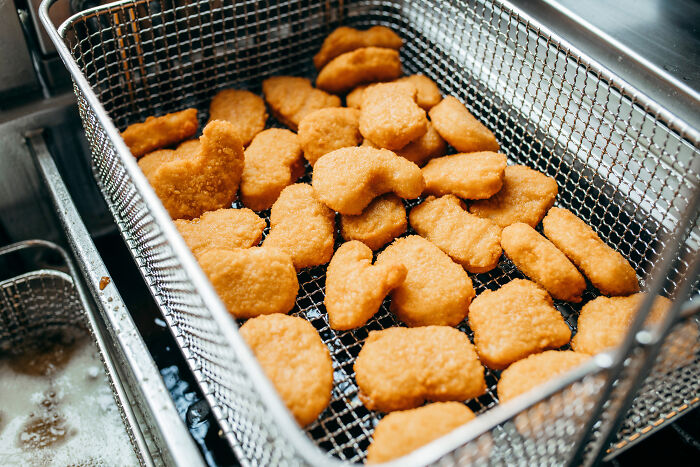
(623, 164)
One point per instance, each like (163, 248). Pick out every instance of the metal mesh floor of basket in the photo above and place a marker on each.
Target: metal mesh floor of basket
(620, 163)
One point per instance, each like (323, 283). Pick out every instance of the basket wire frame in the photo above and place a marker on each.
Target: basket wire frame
(620, 166)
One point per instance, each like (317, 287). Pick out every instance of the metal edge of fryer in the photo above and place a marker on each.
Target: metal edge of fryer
(150, 392)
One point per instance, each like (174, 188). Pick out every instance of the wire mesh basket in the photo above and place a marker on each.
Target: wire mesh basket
(623, 164)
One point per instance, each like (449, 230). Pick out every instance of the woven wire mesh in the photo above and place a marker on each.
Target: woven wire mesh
(618, 165)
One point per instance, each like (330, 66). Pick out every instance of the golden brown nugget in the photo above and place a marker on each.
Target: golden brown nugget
(354, 288)
(460, 128)
(159, 132)
(401, 368)
(295, 359)
(381, 221)
(603, 321)
(436, 290)
(400, 433)
(223, 228)
(542, 262)
(478, 175)
(365, 65)
(390, 117)
(326, 130)
(242, 108)
(470, 241)
(345, 39)
(302, 226)
(251, 281)
(197, 176)
(428, 95)
(420, 151)
(292, 98)
(537, 369)
(272, 161)
(526, 196)
(354, 97)
(607, 269)
(348, 179)
(515, 321)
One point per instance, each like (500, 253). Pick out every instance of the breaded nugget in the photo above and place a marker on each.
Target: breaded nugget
(537, 369)
(354, 288)
(272, 161)
(302, 226)
(354, 97)
(400, 433)
(390, 117)
(607, 269)
(223, 228)
(428, 93)
(470, 241)
(242, 108)
(365, 65)
(401, 368)
(478, 175)
(326, 130)
(295, 359)
(423, 149)
(436, 289)
(197, 176)
(345, 39)
(460, 128)
(347, 179)
(526, 197)
(381, 221)
(292, 98)
(541, 261)
(515, 321)
(603, 321)
(251, 281)
(159, 132)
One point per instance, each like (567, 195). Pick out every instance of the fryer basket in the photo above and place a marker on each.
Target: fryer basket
(623, 164)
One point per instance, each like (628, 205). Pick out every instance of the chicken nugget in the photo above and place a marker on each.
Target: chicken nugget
(302, 226)
(423, 149)
(251, 281)
(478, 175)
(401, 368)
(354, 97)
(381, 221)
(607, 269)
(197, 176)
(326, 130)
(354, 288)
(541, 261)
(295, 359)
(537, 369)
(603, 321)
(428, 95)
(272, 161)
(526, 196)
(223, 228)
(364, 65)
(292, 98)
(436, 290)
(345, 39)
(242, 108)
(402, 432)
(460, 128)
(390, 117)
(159, 132)
(348, 179)
(515, 321)
(470, 241)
